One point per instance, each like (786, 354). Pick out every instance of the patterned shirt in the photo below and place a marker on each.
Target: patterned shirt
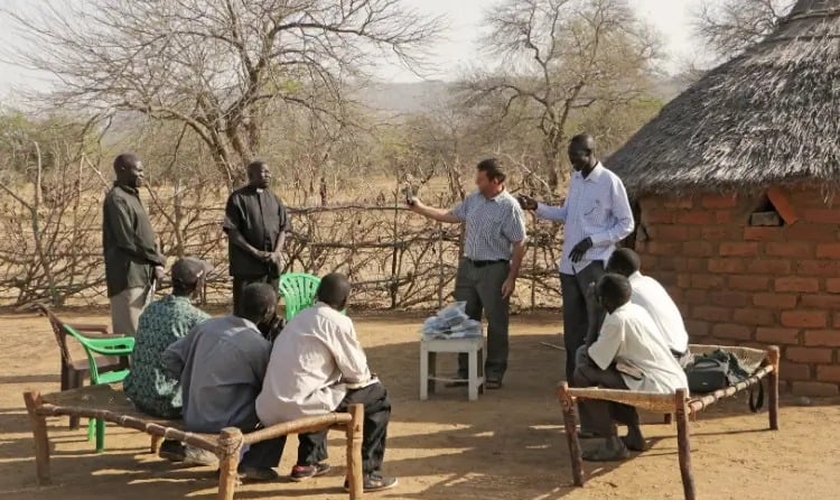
(148, 384)
(596, 207)
(492, 225)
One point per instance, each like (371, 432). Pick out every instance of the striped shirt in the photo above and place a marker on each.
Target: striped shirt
(493, 225)
(595, 207)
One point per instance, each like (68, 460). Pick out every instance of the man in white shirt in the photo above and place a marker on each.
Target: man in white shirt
(628, 354)
(596, 215)
(652, 296)
(317, 366)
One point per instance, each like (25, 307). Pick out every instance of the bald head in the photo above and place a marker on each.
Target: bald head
(128, 169)
(624, 262)
(582, 153)
(334, 290)
(613, 291)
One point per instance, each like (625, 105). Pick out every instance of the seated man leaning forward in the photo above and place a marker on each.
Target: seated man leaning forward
(628, 354)
(317, 366)
(148, 385)
(652, 296)
(221, 364)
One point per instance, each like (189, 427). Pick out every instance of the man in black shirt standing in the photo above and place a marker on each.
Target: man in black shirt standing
(132, 262)
(256, 223)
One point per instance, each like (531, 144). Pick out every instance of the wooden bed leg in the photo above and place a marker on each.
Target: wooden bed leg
(773, 382)
(154, 445)
(355, 433)
(683, 444)
(572, 438)
(669, 419)
(39, 433)
(230, 446)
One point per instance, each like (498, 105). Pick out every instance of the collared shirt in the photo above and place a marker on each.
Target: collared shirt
(149, 385)
(260, 217)
(128, 241)
(221, 364)
(312, 361)
(596, 207)
(629, 335)
(492, 225)
(652, 296)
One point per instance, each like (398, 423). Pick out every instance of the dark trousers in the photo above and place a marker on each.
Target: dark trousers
(377, 414)
(596, 415)
(312, 448)
(481, 288)
(240, 282)
(582, 315)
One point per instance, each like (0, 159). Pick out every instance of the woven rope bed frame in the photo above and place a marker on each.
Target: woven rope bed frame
(762, 363)
(108, 402)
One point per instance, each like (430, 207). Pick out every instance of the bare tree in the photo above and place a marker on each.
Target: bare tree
(559, 56)
(217, 66)
(730, 26)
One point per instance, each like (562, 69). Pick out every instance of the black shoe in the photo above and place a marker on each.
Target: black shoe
(173, 451)
(304, 472)
(257, 474)
(375, 482)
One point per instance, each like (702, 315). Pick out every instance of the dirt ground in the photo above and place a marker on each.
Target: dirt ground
(507, 445)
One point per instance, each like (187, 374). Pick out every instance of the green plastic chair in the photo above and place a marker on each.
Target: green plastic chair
(117, 346)
(298, 291)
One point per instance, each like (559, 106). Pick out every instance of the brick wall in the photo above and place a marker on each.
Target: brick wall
(754, 286)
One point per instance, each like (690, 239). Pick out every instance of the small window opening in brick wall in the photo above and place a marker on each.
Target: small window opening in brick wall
(766, 214)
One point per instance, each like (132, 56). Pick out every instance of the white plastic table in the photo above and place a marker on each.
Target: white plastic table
(473, 347)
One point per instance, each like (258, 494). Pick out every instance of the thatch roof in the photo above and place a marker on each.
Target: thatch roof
(771, 115)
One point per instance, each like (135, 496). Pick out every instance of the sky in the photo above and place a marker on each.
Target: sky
(671, 17)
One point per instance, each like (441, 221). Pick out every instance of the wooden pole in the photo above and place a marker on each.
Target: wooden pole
(154, 446)
(572, 438)
(39, 433)
(355, 433)
(773, 383)
(683, 444)
(230, 446)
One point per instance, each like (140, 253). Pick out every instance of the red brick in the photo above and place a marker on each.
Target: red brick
(829, 215)
(816, 389)
(805, 231)
(670, 232)
(649, 203)
(709, 313)
(730, 299)
(797, 284)
(730, 331)
(681, 202)
(804, 319)
(663, 248)
(788, 249)
(818, 267)
(832, 285)
(828, 250)
(706, 281)
(836, 320)
(695, 265)
(723, 216)
(809, 354)
(768, 266)
(828, 373)
(717, 233)
(696, 297)
(696, 328)
(698, 249)
(754, 317)
(684, 281)
(738, 249)
(752, 283)
(720, 201)
(780, 199)
(825, 338)
(794, 371)
(726, 266)
(775, 300)
(696, 217)
(658, 216)
(777, 335)
(821, 301)
(763, 233)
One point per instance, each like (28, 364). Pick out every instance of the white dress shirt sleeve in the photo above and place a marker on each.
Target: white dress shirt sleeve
(604, 350)
(548, 212)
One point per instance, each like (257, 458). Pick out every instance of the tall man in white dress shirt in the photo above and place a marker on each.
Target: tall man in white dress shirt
(652, 296)
(494, 244)
(596, 215)
(628, 354)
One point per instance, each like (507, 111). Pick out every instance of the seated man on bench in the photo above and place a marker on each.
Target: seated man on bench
(221, 364)
(652, 296)
(317, 366)
(629, 353)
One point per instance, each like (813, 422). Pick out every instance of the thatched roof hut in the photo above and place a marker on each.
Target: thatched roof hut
(769, 116)
(730, 181)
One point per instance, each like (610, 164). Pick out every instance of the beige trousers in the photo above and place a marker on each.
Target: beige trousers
(126, 307)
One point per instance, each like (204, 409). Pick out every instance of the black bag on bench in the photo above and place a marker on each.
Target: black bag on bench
(717, 370)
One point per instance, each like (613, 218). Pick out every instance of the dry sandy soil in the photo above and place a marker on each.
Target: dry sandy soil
(507, 445)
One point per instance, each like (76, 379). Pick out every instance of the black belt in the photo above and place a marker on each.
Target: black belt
(483, 263)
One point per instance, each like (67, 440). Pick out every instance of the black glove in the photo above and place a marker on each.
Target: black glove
(580, 249)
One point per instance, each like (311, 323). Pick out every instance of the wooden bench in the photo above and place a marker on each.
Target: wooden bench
(108, 402)
(765, 364)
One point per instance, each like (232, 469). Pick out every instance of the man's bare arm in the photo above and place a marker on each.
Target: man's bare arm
(433, 213)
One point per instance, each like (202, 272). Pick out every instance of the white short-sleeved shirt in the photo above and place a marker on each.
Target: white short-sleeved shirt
(631, 336)
(652, 296)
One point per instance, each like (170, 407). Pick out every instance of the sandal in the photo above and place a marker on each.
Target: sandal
(606, 454)
(493, 384)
